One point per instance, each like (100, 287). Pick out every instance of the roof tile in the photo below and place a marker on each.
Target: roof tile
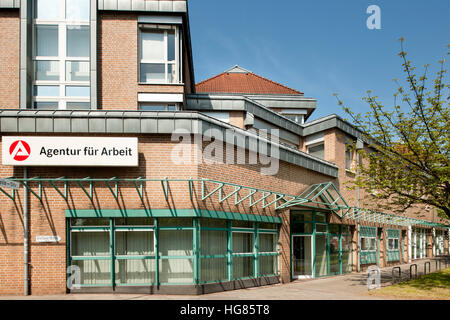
(243, 83)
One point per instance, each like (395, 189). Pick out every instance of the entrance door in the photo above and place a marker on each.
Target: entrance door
(302, 257)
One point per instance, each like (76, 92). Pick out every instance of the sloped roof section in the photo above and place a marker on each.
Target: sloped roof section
(144, 5)
(242, 81)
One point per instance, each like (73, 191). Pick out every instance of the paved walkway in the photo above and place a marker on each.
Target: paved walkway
(346, 287)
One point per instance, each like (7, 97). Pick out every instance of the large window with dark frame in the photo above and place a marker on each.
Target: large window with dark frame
(170, 251)
(61, 54)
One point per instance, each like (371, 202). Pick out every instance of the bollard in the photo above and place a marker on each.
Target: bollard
(399, 274)
(373, 278)
(425, 267)
(410, 270)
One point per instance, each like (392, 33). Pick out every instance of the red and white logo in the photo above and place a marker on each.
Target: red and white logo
(20, 150)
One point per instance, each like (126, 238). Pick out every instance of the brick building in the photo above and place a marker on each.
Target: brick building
(215, 186)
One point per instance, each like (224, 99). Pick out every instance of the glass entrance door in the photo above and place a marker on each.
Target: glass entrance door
(302, 257)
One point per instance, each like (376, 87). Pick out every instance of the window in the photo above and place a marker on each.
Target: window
(317, 150)
(368, 244)
(61, 54)
(299, 118)
(393, 244)
(267, 246)
(242, 242)
(159, 54)
(321, 228)
(349, 158)
(158, 106)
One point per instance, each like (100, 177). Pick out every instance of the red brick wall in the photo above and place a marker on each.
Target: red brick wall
(48, 217)
(119, 65)
(9, 59)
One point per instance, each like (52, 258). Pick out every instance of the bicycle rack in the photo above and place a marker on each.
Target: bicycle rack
(425, 267)
(440, 264)
(410, 270)
(399, 274)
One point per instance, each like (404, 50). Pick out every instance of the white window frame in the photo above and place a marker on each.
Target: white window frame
(369, 250)
(178, 54)
(299, 118)
(349, 166)
(316, 145)
(62, 58)
(395, 247)
(166, 106)
(131, 229)
(252, 233)
(275, 234)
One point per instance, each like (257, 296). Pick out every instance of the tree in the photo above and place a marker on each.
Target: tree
(409, 161)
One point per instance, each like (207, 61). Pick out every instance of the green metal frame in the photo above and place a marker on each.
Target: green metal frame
(369, 256)
(393, 255)
(170, 213)
(12, 196)
(327, 193)
(313, 235)
(197, 256)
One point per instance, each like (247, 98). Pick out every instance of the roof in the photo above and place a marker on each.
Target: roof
(125, 5)
(239, 80)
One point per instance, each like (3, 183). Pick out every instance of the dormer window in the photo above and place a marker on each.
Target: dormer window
(159, 54)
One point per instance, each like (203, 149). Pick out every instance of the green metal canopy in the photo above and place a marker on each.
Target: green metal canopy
(322, 195)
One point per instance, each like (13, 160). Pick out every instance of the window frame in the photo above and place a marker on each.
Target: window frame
(313, 145)
(177, 63)
(61, 24)
(166, 106)
(349, 163)
(371, 239)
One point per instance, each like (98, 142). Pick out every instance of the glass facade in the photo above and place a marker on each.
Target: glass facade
(419, 244)
(439, 242)
(61, 54)
(182, 251)
(319, 248)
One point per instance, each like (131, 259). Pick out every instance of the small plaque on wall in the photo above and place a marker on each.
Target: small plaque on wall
(48, 238)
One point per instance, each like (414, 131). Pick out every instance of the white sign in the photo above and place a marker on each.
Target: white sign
(48, 238)
(70, 151)
(9, 184)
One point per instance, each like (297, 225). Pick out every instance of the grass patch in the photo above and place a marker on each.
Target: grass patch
(434, 286)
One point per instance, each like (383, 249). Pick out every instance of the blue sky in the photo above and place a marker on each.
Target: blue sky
(319, 47)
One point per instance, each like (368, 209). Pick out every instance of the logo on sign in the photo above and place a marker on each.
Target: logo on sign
(20, 150)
